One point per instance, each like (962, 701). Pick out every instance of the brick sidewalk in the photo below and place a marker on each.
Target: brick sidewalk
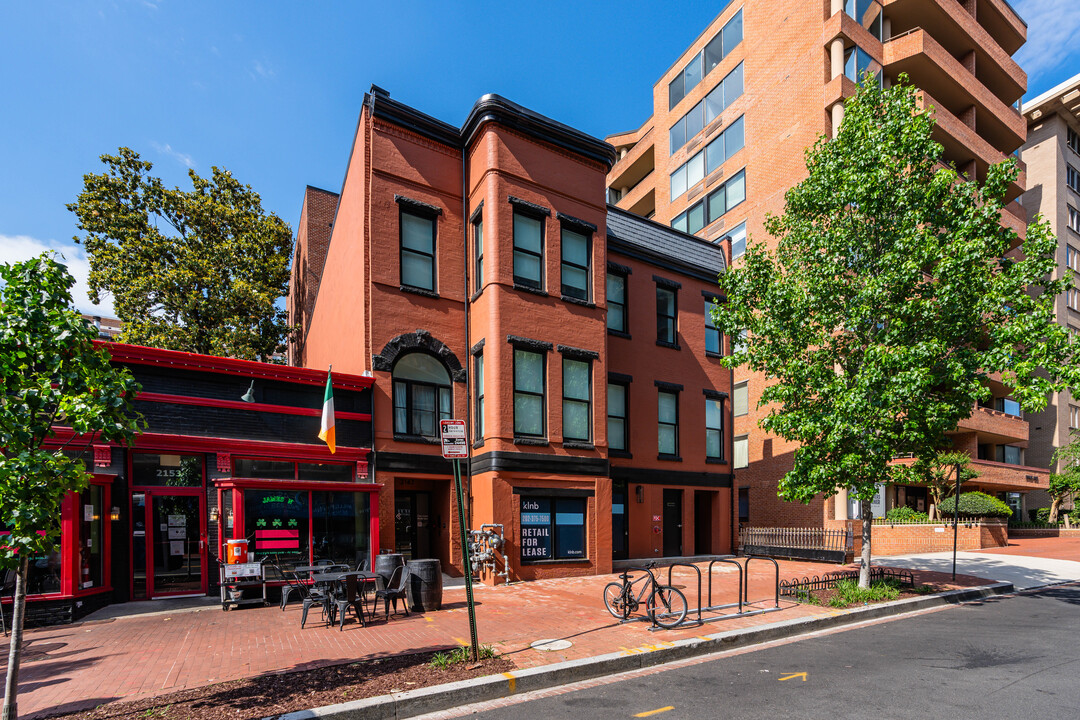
(1055, 548)
(79, 666)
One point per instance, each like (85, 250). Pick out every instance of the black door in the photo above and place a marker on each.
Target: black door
(412, 524)
(672, 523)
(620, 529)
(703, 528)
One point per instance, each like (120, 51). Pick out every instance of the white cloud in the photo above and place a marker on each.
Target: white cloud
(182, 158)
(1053, 26)
(264, 71)
(15, 248)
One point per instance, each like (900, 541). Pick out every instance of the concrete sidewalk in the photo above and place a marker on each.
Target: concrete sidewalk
(1023, 571)
(84, 665)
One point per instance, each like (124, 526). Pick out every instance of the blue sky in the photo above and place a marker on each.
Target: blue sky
(272, 90)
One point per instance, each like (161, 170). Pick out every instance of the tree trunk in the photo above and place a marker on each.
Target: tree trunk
(1055, 508)
(11, 686)
(867, 524)
(932, 513)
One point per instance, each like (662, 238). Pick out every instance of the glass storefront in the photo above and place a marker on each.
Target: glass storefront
(91, 538)
(167, 470)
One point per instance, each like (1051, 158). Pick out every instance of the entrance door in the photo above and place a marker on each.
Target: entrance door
(168, 553)
(412, 524)
(703, 516)
(620, 529)
(672, 523)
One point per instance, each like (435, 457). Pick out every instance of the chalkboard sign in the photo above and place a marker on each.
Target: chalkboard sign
(535, 529)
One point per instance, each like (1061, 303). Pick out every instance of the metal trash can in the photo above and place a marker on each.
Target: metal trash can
(425, 585)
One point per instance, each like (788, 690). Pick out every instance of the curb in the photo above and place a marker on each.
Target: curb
(492, 687)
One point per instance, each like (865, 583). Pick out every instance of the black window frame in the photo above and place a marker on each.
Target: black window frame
(1072, 139)
(673, 288)
(410, 430)
(556, 503)
(478, 394)
(712, 331)
(587, 402)
(719, 401)
(519, 280)
(586, 292)
(624, 385)
(542, 394)
(667, 389)
(478, 252)
(624, 274)
(1072, 177)
(421, 211)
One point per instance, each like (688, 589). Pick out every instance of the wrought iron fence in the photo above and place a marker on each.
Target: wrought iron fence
(795, 586)
(801, 543)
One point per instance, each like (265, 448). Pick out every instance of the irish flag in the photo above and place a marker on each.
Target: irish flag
(326, 431)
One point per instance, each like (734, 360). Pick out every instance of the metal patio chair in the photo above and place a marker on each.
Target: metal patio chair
(395, 590)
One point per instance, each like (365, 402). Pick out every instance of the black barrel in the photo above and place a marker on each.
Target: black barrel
(425, 585)
(384, 567)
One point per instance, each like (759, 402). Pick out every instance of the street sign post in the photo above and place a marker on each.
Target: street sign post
(455, 447)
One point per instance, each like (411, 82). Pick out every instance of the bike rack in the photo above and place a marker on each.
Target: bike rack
(739, 593)
(776, 584)
(689, 610)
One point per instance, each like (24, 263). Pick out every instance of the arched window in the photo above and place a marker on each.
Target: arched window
(421, 395)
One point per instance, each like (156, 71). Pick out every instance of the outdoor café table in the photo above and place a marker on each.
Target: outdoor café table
(350, 578)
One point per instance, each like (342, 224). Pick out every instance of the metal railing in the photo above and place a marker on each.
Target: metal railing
(795, 586)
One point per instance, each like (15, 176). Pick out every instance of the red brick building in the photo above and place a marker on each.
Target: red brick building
(478, 273)
(731, 120)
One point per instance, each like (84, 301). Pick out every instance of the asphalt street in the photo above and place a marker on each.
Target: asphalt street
(1007, 657)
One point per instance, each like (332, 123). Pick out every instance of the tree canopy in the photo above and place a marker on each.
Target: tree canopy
(1065, 484)
(199, 270)
(53, 375)
(892, 295)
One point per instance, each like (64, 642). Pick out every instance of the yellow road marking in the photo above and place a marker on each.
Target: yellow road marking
(463, 643)
(657, 711)
(512, 681)
(429, 619)
(792, 676)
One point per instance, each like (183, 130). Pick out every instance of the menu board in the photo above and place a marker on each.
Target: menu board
(535, 529)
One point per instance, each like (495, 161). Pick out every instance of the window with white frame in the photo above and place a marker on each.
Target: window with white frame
(740, 399)
(1072, 258)
(741, 454)
(1074, 417)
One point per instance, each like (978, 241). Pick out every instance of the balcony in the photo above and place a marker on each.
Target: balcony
(938, 73)
(637, 164)
(960, 34)
(994, 426)
(641, 200)
(963, 146)
(1000, 477)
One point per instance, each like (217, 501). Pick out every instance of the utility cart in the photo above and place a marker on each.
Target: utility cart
(239, 582)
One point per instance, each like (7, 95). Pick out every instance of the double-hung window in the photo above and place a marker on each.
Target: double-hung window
(668, 422)
(616, 301)
(528, 251)
(575, 264)
(665, 315)
(577, 400)
(1074, 219)
(417, 250)
(740, 399)
(478, 364)
(1073, 140)
(528, 393)
(617, 416)
(714, 428)
(714, 341)
(478, 243)
(1072, 258)
(1072, 178)
(741, 452)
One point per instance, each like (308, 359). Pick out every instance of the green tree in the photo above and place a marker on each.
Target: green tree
(53, 375)
(888, 301)
(1065, 484)
(938, 473)
(199, 270)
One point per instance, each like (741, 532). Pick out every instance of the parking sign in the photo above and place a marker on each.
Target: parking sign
(455, 443)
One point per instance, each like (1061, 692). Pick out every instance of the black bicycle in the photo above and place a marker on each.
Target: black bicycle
(666, 606)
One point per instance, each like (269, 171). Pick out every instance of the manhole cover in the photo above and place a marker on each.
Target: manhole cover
(548, 645)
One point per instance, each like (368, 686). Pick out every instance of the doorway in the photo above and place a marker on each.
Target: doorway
(673, 523)
(168, 551)
(412, 524)
(703, 522)
(620, 529)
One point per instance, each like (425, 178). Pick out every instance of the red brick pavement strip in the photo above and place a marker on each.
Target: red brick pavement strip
(79, 666)
(1055, 548)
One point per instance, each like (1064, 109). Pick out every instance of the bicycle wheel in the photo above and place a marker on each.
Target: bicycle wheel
(667, 606)
(613, 599)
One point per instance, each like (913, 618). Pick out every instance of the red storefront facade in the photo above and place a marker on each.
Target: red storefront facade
(231, 452)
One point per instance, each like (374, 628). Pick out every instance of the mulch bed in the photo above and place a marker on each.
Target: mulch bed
(267, 695)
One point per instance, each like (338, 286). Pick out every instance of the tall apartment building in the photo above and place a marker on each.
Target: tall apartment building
(732, 118)
(476, 272)
(1052, 155)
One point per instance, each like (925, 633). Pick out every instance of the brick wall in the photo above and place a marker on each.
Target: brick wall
(904, 539)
